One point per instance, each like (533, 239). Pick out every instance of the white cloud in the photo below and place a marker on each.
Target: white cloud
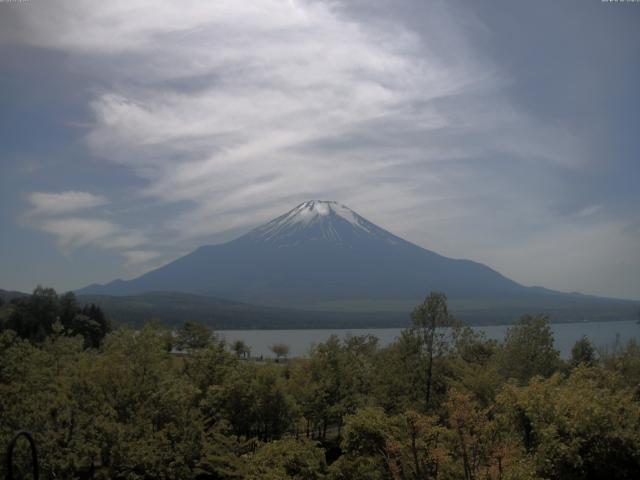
(589, 211)
(50, 213)
(64, 202)
(244, 108)
(77, 232)
(135, 257)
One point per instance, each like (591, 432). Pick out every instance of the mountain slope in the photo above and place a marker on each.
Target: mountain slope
(322, 254)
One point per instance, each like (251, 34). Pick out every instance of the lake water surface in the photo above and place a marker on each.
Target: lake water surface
(601, 334)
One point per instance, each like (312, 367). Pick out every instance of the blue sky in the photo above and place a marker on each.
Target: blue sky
(132, 132)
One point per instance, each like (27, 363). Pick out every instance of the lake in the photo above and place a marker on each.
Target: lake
(601, 334)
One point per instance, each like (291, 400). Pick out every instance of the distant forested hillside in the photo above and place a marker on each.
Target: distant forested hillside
(172, 308)
(7, 295)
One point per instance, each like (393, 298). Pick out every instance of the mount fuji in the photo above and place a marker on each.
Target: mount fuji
(321, 255)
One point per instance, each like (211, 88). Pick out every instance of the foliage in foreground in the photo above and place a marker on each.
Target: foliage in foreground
(429, 406)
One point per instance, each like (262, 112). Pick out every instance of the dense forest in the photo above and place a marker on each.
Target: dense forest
(435, 404)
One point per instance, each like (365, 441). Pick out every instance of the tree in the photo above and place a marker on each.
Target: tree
(95, 313)
(241, 349)
(378, 446)
(474, 438)
(68, 309)
(528, 349)
(280, 350)
(334, 381)
(428, 320)
(583, 352)
(414, 449)
(88, 328)
(581, 427)
(625, 361)
(193, 335)
(254, 400)
(5, 313)
(288, 459)
(473, 366)
(90, 321)
(209, 366)
(275, 410)
(33, 317)
(364, 445)
(472, 346)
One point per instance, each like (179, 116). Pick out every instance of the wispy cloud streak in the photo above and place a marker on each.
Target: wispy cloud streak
(64, 202)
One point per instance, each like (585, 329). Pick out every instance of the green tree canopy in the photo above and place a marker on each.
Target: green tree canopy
(193, 335)
(34, 317)
(240, 348)
(528, 349)
(428, 322)
(583, 352)
(280, 350)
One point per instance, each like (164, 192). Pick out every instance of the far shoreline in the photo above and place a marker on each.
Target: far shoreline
(377, 327)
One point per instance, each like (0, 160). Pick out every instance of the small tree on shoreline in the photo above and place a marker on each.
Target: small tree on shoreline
(241, 349)
(280, 350)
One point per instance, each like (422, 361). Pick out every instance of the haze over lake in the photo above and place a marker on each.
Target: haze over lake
(601, 334)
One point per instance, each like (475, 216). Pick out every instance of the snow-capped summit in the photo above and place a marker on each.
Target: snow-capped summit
(319, 220)
(315, 210)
